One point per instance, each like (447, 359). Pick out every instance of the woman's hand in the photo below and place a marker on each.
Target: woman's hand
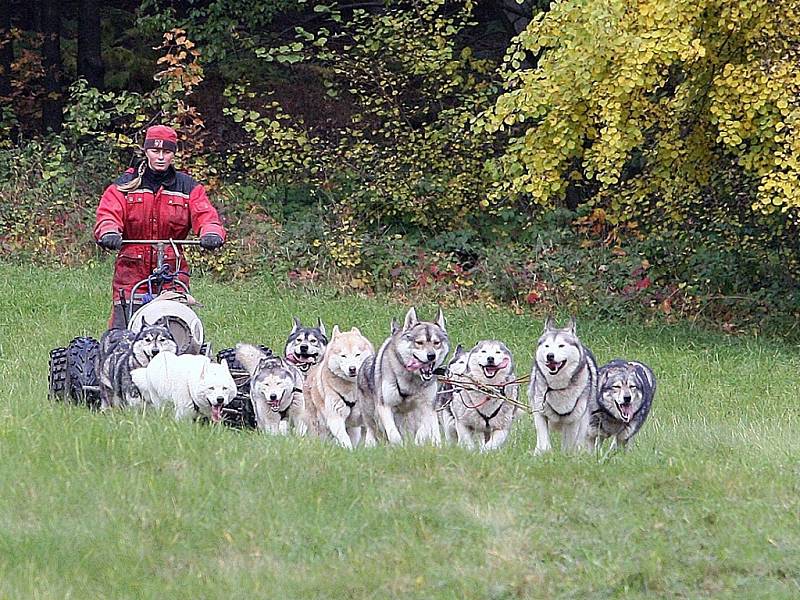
(210, 241)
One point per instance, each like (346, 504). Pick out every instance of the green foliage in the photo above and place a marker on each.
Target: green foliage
(646, 100)
(111, 117)
(410, 86)
(47, 199)
(223, 28)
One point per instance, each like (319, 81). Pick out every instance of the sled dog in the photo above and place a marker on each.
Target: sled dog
(563, 385)
(397, 387)
(193, 384)
(450, 391)
(121, 351)
(276, 391)
(330, 388)
(626, 391)
(480, 417)
(305, 345)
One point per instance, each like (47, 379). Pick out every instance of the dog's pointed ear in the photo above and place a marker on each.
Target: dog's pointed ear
(144, 324)
(296, 324)
(572, 324)
(335, 331)
(224, 363)
(549, 323)
(440, 320)
(601, 380)
(321, 327)
(203, 370)
(395, 326)
(355, 330)
(459, 351)
(411, 319)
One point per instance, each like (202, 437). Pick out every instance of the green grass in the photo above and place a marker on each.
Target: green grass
(127, 505)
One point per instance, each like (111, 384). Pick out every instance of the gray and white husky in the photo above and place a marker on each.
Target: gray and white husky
(478, 416)
(305, 345)
(449, 392)
(397, 387)
(563, 385)
(121, 351)
(625, 394)
(276, 391)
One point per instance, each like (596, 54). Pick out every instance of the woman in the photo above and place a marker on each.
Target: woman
(152, 202)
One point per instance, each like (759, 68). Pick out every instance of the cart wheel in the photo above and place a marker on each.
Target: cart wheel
(84, 381)
(57, 380)
(239, 414)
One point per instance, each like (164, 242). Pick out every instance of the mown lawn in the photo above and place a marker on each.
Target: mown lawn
(127, 505)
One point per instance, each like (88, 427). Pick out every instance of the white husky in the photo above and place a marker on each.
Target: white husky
(191, 383)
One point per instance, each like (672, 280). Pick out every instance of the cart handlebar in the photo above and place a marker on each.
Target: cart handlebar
(170, 242)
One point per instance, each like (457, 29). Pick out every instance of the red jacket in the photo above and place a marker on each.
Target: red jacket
(174, 208)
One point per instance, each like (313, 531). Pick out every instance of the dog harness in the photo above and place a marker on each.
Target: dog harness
(551, 389)
(491, 416)
(349, 405)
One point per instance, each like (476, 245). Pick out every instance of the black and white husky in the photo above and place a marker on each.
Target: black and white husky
(562, 388)
(397, 387)
(305, 345)
(121, 351)
(625, 394)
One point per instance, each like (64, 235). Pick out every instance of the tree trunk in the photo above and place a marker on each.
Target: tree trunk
(90, 61)
(51, 61)
(6, 49)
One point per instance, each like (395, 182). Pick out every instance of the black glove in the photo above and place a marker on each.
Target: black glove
(210, 241)
(110, 241)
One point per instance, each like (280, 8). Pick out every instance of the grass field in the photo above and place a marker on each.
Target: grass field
(127, 505)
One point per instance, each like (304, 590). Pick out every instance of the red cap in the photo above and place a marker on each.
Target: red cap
(161, 136)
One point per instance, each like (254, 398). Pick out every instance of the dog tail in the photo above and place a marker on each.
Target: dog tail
(249, 356)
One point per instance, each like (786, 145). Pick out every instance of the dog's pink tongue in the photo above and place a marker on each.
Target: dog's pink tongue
(626, 410)
(503, 363)
(414, 365)
(216, 413)
(298, 359)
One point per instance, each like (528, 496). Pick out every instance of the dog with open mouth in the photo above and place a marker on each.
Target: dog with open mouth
(195, 386)
(563, 386)
(397, 387)
(625, 393)
(276, 391)
(305, 346)
(481, 417)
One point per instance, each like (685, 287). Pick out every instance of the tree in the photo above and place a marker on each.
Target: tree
(647, 101)
(90, 62)
(51, 61)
